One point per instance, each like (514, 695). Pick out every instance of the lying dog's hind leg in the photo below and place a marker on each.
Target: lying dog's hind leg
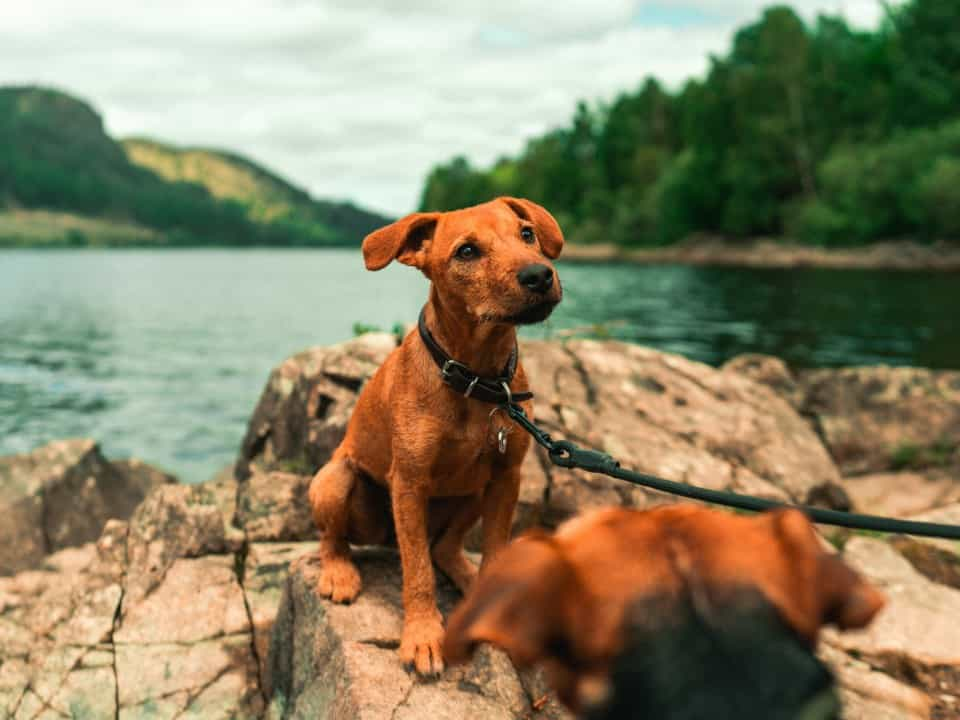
(329, 497)
(447, 551)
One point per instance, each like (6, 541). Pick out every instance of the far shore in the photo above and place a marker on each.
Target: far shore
(36, 229)
(767, 253)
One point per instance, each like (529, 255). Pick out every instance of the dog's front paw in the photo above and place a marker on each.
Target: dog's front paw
(339, 580)
(420, 645)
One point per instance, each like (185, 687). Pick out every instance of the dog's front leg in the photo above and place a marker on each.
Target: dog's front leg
(422, 623)
(499, 502)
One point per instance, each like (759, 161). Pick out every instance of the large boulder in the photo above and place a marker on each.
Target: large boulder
(902, 494)
(894, 433)
(875, 419)
(656, 412)
(304, 408)
(331, 661)
(61, 495)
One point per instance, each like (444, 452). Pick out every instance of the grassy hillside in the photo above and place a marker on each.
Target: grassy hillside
(48, 228)
(64, 181)
(266, 197)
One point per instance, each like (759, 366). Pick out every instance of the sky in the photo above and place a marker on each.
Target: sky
(358, 99)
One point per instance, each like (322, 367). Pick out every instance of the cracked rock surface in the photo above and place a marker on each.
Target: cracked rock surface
(151, 621)
(336, 661)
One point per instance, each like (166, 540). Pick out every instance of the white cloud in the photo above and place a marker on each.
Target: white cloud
(359, 98)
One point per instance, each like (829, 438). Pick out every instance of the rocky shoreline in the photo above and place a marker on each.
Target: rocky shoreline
(199, 602)
(767, 253)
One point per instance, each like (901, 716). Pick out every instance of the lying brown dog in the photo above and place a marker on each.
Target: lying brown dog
(676, 612)
(421, 462)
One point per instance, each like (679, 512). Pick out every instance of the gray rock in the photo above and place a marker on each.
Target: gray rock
(875, 419)
(61, 495)
(335, 661)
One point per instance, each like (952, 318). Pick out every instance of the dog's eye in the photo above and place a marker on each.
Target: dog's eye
(468, 251)
(527, 234)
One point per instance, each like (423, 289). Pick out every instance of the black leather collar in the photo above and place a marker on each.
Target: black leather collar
(463, 380)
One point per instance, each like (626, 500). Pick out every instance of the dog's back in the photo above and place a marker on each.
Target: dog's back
(677, 613)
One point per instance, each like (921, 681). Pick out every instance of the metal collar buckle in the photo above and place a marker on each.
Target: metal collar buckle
(447, 370)
(506, 389)
(471, 386)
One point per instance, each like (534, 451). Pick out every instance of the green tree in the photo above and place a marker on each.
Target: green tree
(839, 136)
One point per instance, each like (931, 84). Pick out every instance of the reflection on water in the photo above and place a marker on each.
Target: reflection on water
(808, 317)
(162, 354)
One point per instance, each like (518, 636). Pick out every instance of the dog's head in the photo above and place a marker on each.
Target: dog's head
(668, 611)
(490, 262)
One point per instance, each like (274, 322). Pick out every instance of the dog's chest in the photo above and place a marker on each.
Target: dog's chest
(473, 450)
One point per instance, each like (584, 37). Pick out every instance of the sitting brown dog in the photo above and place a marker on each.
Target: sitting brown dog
(676, 612)
(426, 452)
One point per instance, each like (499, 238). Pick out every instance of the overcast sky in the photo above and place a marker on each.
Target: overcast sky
(359, 98)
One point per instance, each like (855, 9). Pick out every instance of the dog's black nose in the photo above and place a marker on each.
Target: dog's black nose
(537, 277)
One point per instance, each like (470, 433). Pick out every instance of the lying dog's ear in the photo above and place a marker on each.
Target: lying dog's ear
(406, 241)
(547, 229)
(518, 604)
(847, 600)
(840, 596)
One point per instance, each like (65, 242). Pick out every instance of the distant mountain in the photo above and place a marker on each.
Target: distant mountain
(63, 180)
(267, 197)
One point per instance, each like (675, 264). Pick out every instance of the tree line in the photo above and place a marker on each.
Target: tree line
(823, 133)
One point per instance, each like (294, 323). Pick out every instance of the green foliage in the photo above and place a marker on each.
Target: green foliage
(907, 186)
(938, 197)
(835, 135)
(55, 155)
(360, 328)
(910, 456)
(819, 224)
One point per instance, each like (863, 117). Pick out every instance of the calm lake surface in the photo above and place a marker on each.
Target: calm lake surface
(163, 354)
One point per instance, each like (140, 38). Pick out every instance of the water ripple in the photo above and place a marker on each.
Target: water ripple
(164, 354)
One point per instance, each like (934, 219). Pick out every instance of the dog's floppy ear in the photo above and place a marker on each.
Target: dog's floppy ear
(406, 240)
(547, 229)
(518, 603)
(847, 600)
(840, 596)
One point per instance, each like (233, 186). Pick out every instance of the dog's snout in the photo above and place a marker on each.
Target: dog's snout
(537, 277)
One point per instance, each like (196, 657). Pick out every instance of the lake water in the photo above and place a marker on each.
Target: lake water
(163, 354)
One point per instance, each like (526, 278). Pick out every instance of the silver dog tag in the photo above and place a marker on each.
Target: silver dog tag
(502, 432)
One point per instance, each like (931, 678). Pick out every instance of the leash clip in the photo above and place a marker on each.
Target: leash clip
(566, 454)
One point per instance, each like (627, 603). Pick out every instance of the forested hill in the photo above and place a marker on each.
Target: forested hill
(59, 169)
(266, 196)
(821, 132)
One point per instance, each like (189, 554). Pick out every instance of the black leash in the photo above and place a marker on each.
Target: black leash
(567, 454)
